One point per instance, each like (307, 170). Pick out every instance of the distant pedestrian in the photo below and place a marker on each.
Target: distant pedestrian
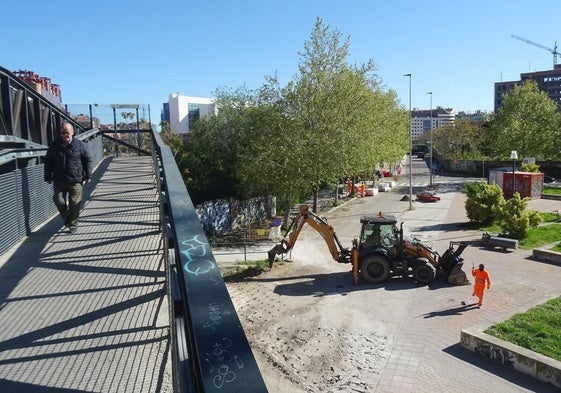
(482, 278)
(68, 166)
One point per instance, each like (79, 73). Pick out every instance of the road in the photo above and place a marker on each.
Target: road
(313, 331)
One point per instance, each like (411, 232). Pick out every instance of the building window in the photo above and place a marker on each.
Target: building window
(193, 114)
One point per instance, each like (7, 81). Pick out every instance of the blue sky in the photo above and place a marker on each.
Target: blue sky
(141, 51)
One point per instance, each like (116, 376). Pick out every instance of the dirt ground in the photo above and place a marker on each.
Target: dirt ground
(307, 324)
(312, 330)
(308, 333)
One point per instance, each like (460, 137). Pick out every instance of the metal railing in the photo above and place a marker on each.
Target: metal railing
(213, 354)
(210, 351)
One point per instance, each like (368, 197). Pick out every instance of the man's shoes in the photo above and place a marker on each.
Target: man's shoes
(72, 229)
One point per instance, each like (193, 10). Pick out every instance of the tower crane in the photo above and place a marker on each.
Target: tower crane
(554, 50)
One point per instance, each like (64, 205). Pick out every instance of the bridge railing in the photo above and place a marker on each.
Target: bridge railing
(26, 200)
(212, 352)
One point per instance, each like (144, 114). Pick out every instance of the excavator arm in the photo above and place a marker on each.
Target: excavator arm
(306, 216)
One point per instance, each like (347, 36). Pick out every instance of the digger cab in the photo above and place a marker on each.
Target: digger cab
(379, 233)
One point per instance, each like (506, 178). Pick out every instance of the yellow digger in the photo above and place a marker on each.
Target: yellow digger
(381, 251)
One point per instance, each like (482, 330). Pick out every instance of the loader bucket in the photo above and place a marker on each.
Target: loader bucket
(457, 276)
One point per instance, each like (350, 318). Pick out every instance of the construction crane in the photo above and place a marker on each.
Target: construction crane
(554, 50)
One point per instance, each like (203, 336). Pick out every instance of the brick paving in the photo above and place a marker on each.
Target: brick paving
(426, 356)
(88, 311)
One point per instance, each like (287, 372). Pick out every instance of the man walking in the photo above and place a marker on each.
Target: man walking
(482, 277)
(68, 166)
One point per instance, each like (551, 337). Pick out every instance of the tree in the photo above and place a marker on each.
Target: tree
(176, 145)
(341, 115)
(464, 139)
(289, 141)
(527, 122)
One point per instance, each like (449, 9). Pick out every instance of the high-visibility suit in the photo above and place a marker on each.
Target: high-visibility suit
(481, 278)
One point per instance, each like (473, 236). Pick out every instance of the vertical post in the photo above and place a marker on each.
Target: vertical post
(91, 117)
(513, 157)
(115, 131)
(410, 149)
(430, 166)
(138, 142)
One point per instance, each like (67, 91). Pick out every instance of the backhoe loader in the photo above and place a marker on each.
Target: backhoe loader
(381, 251)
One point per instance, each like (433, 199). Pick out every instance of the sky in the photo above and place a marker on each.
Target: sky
(140, 52)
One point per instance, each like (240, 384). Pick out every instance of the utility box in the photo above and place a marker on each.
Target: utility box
(527, 184)
(496, 177)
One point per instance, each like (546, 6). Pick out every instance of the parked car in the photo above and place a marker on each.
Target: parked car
(428, 196)
(421, 155)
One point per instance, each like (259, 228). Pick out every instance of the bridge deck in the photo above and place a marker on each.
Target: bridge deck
(88, 311)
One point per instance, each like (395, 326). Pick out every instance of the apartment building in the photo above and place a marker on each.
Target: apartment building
(548, 81)
(425, 120)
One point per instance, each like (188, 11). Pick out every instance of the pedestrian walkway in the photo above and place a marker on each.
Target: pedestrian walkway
(88, 311)
(426, 355)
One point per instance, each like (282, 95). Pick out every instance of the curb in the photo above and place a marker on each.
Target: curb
(510, 355)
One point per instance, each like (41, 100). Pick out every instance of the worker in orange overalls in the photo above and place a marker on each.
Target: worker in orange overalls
(481, 278)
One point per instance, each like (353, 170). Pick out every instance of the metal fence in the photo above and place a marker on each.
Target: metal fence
(26, 200)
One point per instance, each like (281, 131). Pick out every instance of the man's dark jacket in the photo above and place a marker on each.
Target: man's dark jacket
(68, 164)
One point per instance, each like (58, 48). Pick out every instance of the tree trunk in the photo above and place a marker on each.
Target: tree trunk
(315, 204)
(286, 216)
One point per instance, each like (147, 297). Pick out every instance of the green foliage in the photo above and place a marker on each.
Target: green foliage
(527, 122)
(515, 220)
(332, 119)
(483, 202)
(465, 139)
(175, 144)
(486, 205)
(530, 167)
(552, 190)
(540, 236)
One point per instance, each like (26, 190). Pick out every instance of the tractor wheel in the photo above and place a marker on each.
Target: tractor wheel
(424, 273)
(375, 269)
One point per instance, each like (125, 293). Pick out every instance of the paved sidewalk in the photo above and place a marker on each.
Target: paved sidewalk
(427, 356)
(87, 312)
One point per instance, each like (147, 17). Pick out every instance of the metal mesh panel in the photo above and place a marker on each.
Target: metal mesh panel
(11, 230)
(38, 205)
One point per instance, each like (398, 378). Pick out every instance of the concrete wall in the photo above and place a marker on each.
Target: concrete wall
(510, 355)
(223, 215)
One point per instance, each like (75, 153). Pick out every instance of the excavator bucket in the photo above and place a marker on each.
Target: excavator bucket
(457, 276)
(281, 248)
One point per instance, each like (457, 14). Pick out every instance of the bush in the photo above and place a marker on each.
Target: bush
(515, 219)
(484, 202)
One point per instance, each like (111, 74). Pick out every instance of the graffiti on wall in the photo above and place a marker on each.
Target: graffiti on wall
(220, 216)
(496, 354)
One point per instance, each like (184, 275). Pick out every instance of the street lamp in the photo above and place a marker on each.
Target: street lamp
(430, 168)
(513, 157)
(410, 149)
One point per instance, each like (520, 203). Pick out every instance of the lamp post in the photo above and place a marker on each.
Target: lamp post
(430, 167)
(513, 157)
(410, 149)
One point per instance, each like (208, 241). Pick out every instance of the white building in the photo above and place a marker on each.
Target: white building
(184, 111)
(425, 120)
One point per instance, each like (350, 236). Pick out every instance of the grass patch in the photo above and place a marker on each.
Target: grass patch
(549, 217)
(536, 330)
(246, 269)
(552, 190)
(535, 237)
(557, 248)
(540, 236)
